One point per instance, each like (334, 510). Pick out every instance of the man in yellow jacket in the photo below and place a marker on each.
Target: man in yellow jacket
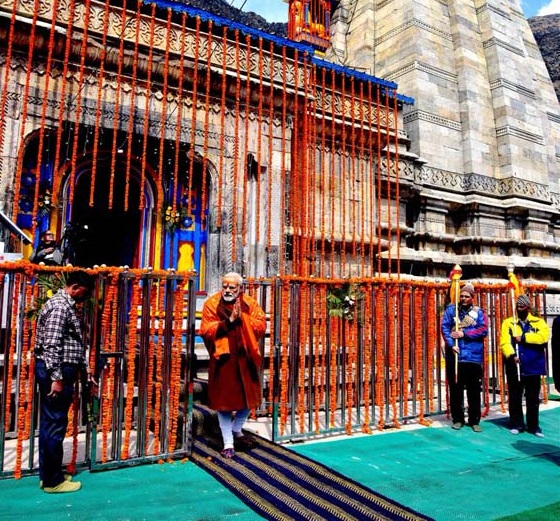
(523, 341)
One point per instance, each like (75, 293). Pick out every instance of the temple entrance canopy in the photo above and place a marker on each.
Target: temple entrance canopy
(103, 201)
(182, 141)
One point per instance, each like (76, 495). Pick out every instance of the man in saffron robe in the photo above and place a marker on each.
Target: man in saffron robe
(232, 323)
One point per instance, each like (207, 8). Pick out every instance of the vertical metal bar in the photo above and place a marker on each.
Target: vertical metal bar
(189, 372)
(360, 360)
(341, 368)
(118, 389)
(294, 350)
(400, 347)
(7, 359)
(310, 358)
(166, 362)
(328, 360)
(276, 313)
(143, 364)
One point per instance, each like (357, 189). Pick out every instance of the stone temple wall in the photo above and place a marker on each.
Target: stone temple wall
(485, 123)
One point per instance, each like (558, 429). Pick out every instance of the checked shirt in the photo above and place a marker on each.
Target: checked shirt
(59, 335)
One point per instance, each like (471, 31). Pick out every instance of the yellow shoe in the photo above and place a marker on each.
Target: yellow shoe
(65, 486)
(67, 477)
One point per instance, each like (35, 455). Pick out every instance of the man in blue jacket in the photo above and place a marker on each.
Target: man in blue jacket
(464, 329)
(523, 341)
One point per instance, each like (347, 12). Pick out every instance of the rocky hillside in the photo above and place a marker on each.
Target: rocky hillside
(225, 10)
(545, 28)
(547, 34)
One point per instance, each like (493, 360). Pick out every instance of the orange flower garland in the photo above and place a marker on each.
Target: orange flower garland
(151, 371)
(7, 69)
(78, 100)
(116, 112)
(393, 335)
(269, 147)
(194, 109)
(285, 347)
(222, 126)
(147, 90)
(419, 307)
(98, 103)
(131, 354)
(25, 362)
(25, 103)
(406, 343)
(379, 353)
(433, 337)
(302, 353)
(368, 347)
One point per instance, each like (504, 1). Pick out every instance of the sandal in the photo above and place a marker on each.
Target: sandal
(228, 453)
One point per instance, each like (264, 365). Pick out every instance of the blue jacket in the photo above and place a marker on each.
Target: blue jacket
(532, 348)
(474, 324)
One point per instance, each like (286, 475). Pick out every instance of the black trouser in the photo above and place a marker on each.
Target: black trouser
(53, 421)
(531, 385)
(470, 376)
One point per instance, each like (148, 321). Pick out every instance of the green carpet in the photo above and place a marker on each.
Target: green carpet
(171, 491)
(455, 475)
(445, 474)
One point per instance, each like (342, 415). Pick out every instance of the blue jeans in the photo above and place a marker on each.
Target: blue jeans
(53, 421)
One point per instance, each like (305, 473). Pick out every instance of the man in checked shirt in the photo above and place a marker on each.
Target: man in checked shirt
(60, 355)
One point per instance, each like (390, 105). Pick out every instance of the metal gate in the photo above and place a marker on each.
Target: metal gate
(361, 354)
(140, 329)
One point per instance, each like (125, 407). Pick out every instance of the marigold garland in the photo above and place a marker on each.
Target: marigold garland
(25, 379)
(406, 343)
(433, 336)
(284, 361)
(151, 371)
(25, 103)
(131, 357)
(419, 347)
(164, 104)
(269, 147)
(78, 100)
(194, 108)
(302, 353)
(175, 373)
(260, 119)
(380, 342)
(44, 108)
(147, 94)
(283, 147)
(393, 335)
(73, 428)
(247, 103)
(223, 110)
(210, 50)
(116, 113)
(6, 82)
(98, 103)
(350, 368)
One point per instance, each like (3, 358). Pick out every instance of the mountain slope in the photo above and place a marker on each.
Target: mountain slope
(546, 30)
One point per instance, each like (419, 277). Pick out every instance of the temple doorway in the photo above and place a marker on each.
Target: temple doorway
(105, 233)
